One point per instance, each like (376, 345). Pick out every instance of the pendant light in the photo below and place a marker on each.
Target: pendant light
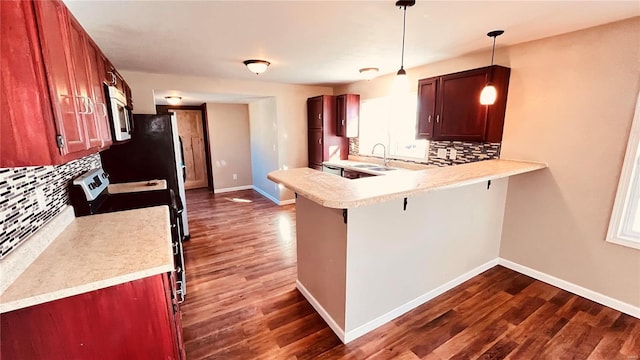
(489, 94)
(401, 83)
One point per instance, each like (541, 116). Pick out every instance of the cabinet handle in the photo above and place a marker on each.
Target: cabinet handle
(114, 79)
(104, 109)
(429, 119)
(319, 116)
(175, 248)
(320, 141)
(85, 107)
(92, 106)
(438, 118)
(342, 122)
(180, 291)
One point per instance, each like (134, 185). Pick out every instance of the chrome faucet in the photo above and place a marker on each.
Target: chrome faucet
(384, 153)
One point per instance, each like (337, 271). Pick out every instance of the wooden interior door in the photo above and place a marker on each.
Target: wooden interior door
(191, 131)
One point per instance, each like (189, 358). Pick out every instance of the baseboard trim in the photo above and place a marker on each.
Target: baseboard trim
(572, 288)
(265, 194)
(323, 313)
(375, 323)
(237, 188)
(276, 201)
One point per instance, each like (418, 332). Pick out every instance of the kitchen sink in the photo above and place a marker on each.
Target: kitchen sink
(379, 168)
(365, 166)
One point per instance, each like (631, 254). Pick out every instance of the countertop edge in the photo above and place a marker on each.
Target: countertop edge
(527, 166)
(77, 290)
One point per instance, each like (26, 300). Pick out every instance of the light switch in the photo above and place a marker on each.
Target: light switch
(442, 153)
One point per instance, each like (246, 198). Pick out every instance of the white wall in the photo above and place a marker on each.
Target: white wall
(570, 104)
(229, 137)
(290, 102)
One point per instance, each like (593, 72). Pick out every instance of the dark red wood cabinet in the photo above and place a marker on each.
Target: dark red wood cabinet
(53, 102)
(135, 320)
(449, 106)
(323, 142)
(347, 115)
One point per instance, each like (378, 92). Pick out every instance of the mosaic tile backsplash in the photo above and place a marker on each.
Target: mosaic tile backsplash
(22, 210)
(465, 151)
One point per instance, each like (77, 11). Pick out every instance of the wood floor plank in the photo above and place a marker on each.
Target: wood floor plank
(242, 303)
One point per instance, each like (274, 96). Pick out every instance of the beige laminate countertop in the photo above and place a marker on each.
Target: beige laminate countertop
(336, 192)
(95, 252)
(137, 186)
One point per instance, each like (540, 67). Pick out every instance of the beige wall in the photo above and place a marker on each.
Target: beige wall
(290, 102)
(264, 145)
(230, 145)
(570, 104)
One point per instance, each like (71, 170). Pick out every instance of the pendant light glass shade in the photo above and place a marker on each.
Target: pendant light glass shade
(489, 94)
(400, 83)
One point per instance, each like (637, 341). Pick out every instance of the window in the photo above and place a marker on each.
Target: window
(624, 227)
(391, 121)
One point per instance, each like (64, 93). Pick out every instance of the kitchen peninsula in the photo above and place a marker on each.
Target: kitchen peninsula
(371, 249)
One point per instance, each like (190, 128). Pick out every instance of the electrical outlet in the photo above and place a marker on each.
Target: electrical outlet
(42, 200)
(453, 153)
(442, 153)
(235, 176)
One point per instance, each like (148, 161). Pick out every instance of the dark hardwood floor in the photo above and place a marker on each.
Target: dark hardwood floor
(242, 303)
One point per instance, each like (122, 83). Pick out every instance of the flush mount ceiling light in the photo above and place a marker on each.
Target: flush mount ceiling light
(173, 100)
(369, 73)
(401, 81)
(489, 93)
(257, 66)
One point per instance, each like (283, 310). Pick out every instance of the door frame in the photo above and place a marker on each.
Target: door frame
(164, 109)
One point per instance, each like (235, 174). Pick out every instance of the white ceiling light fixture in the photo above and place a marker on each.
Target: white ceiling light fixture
(489, 93)
(369, 73)
(401, 83)
(257, 66)
(173, 100)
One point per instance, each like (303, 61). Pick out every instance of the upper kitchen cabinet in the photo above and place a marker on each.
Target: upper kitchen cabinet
(324, 143)
(52, 96)
(449, 106)
(347, 114)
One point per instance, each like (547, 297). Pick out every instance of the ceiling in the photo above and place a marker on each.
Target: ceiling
(319, 42)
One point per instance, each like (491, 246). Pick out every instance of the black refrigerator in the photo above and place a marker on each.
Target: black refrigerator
(154, 152)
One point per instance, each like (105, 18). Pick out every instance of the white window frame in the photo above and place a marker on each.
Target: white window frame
(626, 203)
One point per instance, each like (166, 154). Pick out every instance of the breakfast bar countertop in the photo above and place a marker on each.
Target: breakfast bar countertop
(95, 252)
(332, 191)
(147, 185)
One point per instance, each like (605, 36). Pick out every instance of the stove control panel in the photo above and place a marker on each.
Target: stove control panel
(93, 183)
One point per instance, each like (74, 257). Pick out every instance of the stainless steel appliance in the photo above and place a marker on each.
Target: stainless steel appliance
(154, 152)
(332, 169)
(118, 114)
(89, 195)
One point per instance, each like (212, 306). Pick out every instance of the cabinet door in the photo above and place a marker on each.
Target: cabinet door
(314, 112)
(52, 22)
(315, 147)
(96, 67)
(427, 94)
(347, 115)
(461, 115)
(23, 91)
(341, 115)
(84, 90)
(127, 321)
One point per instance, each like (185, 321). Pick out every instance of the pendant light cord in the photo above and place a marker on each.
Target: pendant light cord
(493, 50)
(404, 24)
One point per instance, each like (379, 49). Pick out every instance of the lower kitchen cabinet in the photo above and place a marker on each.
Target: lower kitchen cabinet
(135, 320)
